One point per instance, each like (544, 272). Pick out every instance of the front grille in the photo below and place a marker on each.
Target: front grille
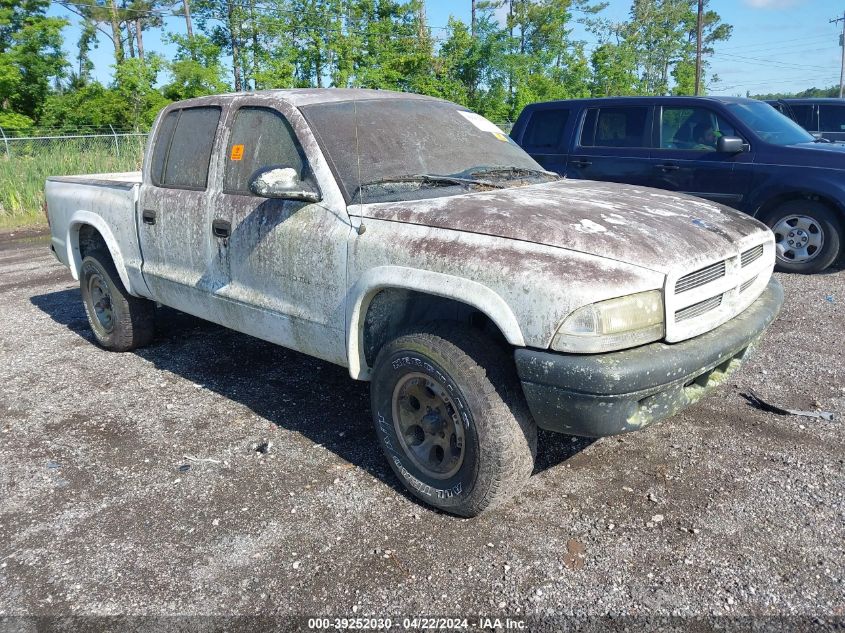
(697, 309)
(747, 284)
(700, 277)
(752, 255)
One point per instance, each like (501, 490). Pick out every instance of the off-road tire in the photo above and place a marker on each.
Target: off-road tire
(478, 375)
(132, 318)
(827, 221)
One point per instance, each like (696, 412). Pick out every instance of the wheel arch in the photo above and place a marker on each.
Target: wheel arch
(402, 289)
(85, 231)
(787, 196)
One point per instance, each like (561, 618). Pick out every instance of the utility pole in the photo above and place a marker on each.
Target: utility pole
(698, 30)
(842, 45)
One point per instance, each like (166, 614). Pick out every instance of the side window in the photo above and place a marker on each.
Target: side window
(260, 137)
(545, 129)
(186, 165)
(162, 145)
(615, 127)
(692, 128)
(831, 118)
(803, 116)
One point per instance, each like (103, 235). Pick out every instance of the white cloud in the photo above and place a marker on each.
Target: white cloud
(772, 4)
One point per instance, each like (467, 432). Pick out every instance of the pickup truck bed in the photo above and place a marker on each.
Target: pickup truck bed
(72, 201)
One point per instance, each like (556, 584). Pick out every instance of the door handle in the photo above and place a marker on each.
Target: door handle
(148, 216)
(221, 228)
(668, 167)
(582, 163)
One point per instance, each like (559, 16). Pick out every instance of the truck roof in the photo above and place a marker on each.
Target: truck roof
(308, 96)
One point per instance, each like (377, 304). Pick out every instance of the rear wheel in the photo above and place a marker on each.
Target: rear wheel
(451, 419)
(807, 235)
(120, 322)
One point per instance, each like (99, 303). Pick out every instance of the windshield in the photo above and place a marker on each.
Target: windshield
(769, 124)
(411, 148)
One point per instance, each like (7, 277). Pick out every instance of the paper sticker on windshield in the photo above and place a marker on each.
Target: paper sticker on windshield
(483, 124)
(237, 152)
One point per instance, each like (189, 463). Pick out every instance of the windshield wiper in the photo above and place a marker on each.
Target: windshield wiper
(430, 179)
(511, 171)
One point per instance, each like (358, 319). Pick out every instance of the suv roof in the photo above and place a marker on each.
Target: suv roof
(809, 100)
(672, 99)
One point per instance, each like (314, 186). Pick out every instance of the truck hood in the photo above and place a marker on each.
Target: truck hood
(645, 227)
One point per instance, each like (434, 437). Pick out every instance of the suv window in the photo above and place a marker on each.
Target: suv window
(545, 129)
(615, 127)
(803, 116)
(186, 164)
(260, 137)
(831, 118)
(692, 128)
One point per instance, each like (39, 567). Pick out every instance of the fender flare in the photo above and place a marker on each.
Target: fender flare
(380, 278)
(77, 221)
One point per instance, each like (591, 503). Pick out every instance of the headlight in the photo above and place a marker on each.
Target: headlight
(613, 324)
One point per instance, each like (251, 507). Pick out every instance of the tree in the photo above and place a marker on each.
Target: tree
(196, 70)
(31, 56)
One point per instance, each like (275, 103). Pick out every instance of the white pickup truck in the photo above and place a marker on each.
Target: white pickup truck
(409, 240)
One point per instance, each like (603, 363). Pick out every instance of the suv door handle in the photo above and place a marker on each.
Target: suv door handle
(582, 163)
(668, 167)
(148, 216)
(221, 228)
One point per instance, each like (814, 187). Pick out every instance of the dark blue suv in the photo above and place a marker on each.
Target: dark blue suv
(738, 152)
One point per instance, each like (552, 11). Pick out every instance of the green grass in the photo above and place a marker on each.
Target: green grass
(22, 174)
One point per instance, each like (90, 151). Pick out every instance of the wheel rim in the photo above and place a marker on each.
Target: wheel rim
(798, 239)
(428, 426)
(98, 290)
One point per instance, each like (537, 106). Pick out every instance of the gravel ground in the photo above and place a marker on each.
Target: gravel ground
(212, 473)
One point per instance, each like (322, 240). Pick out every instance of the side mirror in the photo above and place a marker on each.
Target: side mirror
(283, 183)
(730, 145)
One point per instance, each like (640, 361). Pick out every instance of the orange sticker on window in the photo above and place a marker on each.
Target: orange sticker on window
(237, 152)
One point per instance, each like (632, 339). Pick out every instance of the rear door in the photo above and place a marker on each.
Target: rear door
(546, 134)
(686, 159)
(613, 144)
(179, 262)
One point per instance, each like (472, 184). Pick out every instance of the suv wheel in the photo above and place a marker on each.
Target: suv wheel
(451, 419)
(807, 235)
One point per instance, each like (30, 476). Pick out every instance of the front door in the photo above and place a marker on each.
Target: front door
(285, 260)
(686, 159)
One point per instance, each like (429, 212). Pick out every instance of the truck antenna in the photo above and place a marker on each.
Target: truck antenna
(361, 227)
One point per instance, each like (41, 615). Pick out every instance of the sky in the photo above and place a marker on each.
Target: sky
(776, 45)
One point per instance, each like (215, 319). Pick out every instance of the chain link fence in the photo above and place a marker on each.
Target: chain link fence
(27, 161)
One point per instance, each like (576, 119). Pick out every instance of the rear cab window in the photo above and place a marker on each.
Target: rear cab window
(616, 126)
(804, 115)
(183, 148)
(831, 118)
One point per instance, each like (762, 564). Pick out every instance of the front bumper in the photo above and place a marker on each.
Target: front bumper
(607, 394)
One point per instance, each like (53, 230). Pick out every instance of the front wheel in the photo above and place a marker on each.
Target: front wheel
(807, 235)
(451, 419)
